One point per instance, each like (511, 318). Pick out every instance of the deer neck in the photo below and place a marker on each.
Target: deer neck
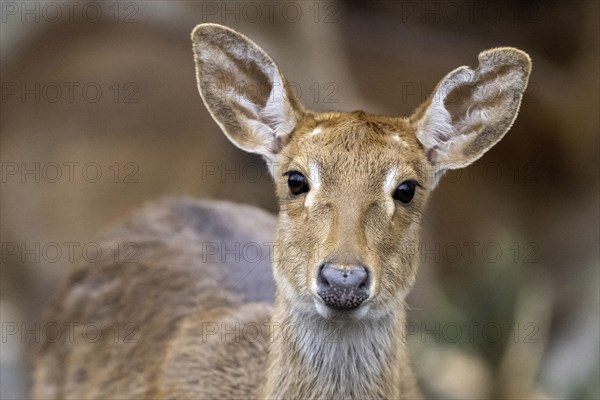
(313, 357)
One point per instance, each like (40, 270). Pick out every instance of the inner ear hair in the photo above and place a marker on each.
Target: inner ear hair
(471, 110)
(244, 90)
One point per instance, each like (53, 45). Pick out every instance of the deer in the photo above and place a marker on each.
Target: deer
(320, 313)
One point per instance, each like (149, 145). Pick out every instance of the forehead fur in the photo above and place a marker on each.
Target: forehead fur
(355, 144)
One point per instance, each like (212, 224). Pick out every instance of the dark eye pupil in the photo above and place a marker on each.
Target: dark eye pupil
(405, 192)
(297, 183)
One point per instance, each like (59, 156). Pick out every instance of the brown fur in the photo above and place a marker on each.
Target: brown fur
(301, 349)
(170, 285)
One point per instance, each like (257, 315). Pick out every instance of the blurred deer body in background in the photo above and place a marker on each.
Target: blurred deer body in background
(351, 187)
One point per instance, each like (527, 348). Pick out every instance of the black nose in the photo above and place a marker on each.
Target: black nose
(343, 289)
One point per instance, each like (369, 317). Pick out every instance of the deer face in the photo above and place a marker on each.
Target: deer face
(351, 189)
(351, 186)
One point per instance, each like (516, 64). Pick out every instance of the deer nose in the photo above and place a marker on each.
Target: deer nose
(343, 289)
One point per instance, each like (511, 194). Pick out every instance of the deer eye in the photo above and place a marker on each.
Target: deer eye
(405, 192)
(297, 183)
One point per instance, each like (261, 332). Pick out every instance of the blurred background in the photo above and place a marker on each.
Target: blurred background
(100, 113)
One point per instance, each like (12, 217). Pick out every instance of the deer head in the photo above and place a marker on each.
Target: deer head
(352, 186)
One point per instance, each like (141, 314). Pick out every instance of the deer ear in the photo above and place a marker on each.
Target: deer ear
(243, 90)
(471, 110)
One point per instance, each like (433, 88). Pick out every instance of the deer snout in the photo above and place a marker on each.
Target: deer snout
(343, 289)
